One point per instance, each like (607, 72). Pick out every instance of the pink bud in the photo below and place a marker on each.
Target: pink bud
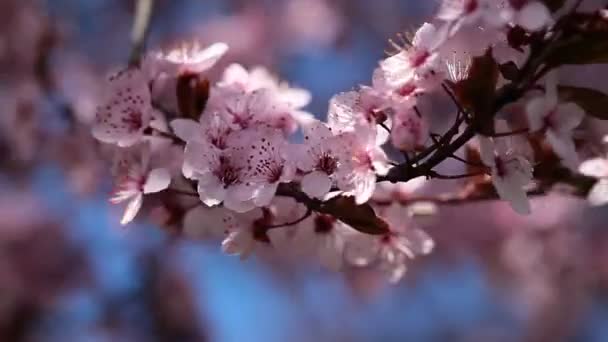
(409, 131)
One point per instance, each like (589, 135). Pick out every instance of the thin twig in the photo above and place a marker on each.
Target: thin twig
(140, 30)
(292, 223)
(434, 174)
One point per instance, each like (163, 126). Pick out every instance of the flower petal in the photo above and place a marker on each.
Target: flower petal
(316, 184)
(157, 180)
(132, 209)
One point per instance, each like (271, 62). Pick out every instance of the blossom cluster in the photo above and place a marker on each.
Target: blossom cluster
(238, 142)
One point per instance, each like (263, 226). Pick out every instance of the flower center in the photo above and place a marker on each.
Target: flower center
(418, 58)
(227, 174)
(133, 120)
(327, 164)
(407, 89)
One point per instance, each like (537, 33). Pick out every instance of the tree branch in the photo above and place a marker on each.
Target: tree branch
(140, 30)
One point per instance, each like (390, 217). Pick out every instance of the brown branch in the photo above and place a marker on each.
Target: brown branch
(294, 222)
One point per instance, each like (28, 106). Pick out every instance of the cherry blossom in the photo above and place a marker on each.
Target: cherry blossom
(237, 78)
(411, 69)
(466, 12)
(597, 168)
(246, 174)
(134, 178)
(320, 158)
(324, 237)
(186, 59)
(357, 175)
(126, 111)
(366, 107)
(240, 171)
(259, 107)
(532, 16)
(253, 231)
(390, 251)
(410, 130)
(557, 120)
(511, 171)
(204, 222)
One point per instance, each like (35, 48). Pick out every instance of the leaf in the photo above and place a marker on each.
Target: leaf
(359, 216)
(476, 92)
(594, 102)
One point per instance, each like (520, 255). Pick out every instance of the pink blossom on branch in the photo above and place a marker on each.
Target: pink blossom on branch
(340, 194)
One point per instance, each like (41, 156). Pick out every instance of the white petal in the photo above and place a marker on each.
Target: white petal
(486, 150)
(157, 180)
(235, 74)
(239, 205)
(210, 190)
(360, 249)
(202, 222)
(425, 36)
(364, 187)
(186, 129)
(534, 16)
(265, 194)
(511, 191)
(132, 209)
(420, 242)
(201, 156)
(568, 116)
(316, 184)
(211, 55)
(537, 110)
(599, 193)
(596, 167)
(238, 243)
(564, 147)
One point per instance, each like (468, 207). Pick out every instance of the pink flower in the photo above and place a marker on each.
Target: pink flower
(126, 111)
(239, 79)
(135, 178)
(467, 12)
(391, 251)
(511, 171)
(203, 222)
(246, 174)
(357, 175)
(558, 121)
(320, 158)
(407, 70)
(211, 129)
(597, 168)
(250, 233)
(352, 109)
(185, 60)
(531, 15)
(410, 131)
(324, 237)
(260, 107)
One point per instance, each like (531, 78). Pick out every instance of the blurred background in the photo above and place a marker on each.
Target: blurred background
(69, 272)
